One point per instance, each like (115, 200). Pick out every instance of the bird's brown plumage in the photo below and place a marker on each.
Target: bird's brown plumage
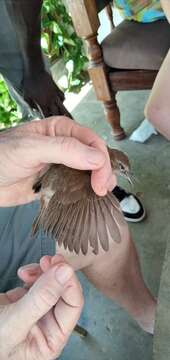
(71, 211)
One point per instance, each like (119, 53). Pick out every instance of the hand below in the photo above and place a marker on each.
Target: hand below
(36, 323)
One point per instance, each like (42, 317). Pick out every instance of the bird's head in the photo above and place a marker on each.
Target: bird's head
(120, 164)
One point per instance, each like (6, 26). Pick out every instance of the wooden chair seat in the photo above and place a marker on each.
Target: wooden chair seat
(133, 45)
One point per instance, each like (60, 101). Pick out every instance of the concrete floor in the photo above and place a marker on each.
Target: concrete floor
(113, 334)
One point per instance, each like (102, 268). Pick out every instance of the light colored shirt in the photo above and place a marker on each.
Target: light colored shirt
(140, 10)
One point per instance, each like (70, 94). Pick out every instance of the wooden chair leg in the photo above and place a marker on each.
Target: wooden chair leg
(113, 116)
(86, 22)
(109, 14)
(80, 331)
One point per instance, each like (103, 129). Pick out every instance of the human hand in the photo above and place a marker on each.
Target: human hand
(28, 149)
(36, 323)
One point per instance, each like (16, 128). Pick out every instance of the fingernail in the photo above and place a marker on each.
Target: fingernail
(28, 267)
(63, 274)
(95, 157)
(57, 259)
(99, 190)
(102, 191)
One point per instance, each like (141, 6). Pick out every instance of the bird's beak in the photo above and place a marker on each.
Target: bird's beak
(129, 177)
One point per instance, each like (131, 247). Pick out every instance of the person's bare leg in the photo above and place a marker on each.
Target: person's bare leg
(117, 275)
(157, 109)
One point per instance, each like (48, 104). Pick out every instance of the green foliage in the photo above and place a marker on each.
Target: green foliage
(60, 40)
(9, 115)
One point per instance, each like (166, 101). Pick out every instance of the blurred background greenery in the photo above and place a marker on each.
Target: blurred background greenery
(58, 41)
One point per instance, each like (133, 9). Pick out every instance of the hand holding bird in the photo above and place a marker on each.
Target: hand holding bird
(75, 205)
(28, 149)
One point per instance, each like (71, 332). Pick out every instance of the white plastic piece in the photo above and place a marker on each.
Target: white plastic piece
(143, 132)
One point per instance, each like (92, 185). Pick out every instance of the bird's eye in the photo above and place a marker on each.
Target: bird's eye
(121, 167)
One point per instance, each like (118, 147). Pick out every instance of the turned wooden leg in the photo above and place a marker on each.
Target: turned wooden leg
(86, 22)
(109, 14)
(113, 116)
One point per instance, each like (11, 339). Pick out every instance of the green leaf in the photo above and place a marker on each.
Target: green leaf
(63, 42)
(55, 28)
(45, 42)
(69, 41)
(58, 40)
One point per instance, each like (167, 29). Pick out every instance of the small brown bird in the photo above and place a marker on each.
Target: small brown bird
(71, 211)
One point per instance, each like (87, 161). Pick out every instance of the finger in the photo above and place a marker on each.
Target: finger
(51, 332)
(103, 175)
(59, 150)
(112, 183)
(58, 324)
(41, 297)
(16, 294)
(70, 152)
(29, 273)
(47, 261)
(57, 258)
(61, 127)
(12, 296)
(68, 309)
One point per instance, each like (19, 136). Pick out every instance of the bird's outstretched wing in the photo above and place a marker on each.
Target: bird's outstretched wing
(75, 216)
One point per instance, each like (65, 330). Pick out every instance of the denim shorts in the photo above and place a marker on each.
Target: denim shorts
(17, 245)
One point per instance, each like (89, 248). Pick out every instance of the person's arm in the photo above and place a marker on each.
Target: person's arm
(26, 18)
(38, 85)
(166, 7)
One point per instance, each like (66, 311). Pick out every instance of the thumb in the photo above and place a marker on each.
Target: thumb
(77, 155)
(67, 151)
(41, 297)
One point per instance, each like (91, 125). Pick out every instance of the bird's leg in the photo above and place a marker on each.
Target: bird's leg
(80, 331)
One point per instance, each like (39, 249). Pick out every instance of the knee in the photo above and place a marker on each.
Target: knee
(152, 112)
(159, 118)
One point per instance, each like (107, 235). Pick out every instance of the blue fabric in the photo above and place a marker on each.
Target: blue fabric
(140, 10)
(17, 246)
